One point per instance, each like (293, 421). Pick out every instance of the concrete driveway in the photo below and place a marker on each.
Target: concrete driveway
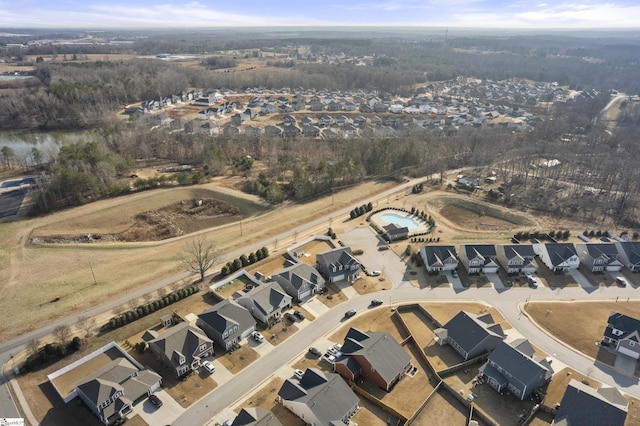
(581, 280)
(496, 281)
(164, 415)
(386, 261)
(625, 365)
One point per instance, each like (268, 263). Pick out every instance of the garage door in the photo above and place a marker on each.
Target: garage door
(338, 278)
(305, 294)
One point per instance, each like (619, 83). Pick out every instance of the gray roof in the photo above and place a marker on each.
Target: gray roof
(266, 297)
(486, 251)
(607, 250)
(380, 349)
(223, 314)
(632, 250)
(522, 368)
(436, 255)
(101, 384)
(582, 405)
(560, 252)
(255, 416)
(512, 251)
(299, 273)
(629, 326)
(337, 256)
(184, 339)
(328, 397)
(469, 330)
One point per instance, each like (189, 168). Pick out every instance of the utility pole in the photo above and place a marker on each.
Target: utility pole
(92, 274)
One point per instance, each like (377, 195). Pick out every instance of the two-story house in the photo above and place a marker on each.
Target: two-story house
(517, 258)
(559, 257)
(374, 355)
(599, 257)
(338, 264)
(181, 348)
(110, 391)
(512, 367)
(226, 323)
(266, 302)
(319, 399)
(470, 335)
(479, 258)
(439, 258)
(584, 405)
(300, 281)
(255, 416)
(623, 334)
(629, 252)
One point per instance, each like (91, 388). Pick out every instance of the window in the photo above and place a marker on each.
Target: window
(203, 347)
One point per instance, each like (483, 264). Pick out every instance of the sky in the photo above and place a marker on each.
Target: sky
(525, 14)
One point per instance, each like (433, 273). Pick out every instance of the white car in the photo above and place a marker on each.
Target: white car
(375, 273)
(257, 336)
(298, 373)
(208, 366)
(333, 351)
(329, 358)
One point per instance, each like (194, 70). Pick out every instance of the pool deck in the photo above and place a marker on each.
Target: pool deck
(422, 225)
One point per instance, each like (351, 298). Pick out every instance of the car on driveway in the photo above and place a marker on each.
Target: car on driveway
(329, 358)
(376, 302)
(315, 351)
(298, 315)
(349, 313)
(298, 373)
(290, 317)
(208, 366)
(454, 273)
(622, 282)
(257, 336)
(333, 351)
(375, 273)
(155, 400)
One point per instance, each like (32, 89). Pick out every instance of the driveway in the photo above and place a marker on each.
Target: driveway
(581, 280)
(386, 261)
(496, 281)
(456, 284)
(625, 365)
(164, 415)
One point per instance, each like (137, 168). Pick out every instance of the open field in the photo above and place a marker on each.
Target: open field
(592, 317)
(29, 286)
(443, 410)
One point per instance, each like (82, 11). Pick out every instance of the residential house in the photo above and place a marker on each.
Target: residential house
(599, 257)
(479, 258)
(319, 399)
(378, 108)
(210, 129)
(226, 323)
(205, 100)
(273, 131)
(439, 258)
(559, 257)
(517, 258)
(230, 130)
(325, 120)
(307, 121)
(374, 355)
(338, 264)
(268, 108)
(471, 335)
(291, 130)
(329, 134)
(111, 391)
(316, 106)
(359, 121)
(237, 119)
(207, 113)
(512, 367)
(348, 131)
(181, 348)
(366, 109)
(288, 119)
(623, 334)
(310, 131)
(266, 302)
(253, 131)
(251, 113)
(300, 281)
(583, 405)
(629, 252)
(255, 416)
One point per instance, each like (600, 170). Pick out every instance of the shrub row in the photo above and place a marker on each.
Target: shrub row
(540, 235)
(359, 211)
(148, 308)
(417, 188)
(244, 261)
(51, 352)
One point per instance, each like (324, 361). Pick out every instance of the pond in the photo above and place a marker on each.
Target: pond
(402, 221)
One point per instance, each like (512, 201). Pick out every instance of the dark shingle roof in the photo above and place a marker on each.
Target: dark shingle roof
(183, 338)
(582, 405)
(299, 273)
(256, 416)
(632, 250)
(628, 325)
(436, 255)
(560, 252)
(338, 256)
(486, 251)
(223, 314)
(524, 370)
(468, 330)
(512, 251)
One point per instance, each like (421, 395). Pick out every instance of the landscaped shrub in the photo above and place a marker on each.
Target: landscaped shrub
(75, 344)
(61, 351)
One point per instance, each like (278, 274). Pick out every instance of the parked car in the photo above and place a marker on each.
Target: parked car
(533, 283)
(298, 373)
(375, 273)
(208, 366)
(315, 351)
(376, 302)
(298, 315)
(290, 317)
(155, 400)
(257, 336)
(622, 282)
(454, 273)
(349, 313)
(337, 347)
(329, 358)
(333, 351)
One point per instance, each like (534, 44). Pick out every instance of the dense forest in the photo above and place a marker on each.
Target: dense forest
(86, 95)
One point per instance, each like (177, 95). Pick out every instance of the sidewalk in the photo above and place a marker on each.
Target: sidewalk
(17, 396)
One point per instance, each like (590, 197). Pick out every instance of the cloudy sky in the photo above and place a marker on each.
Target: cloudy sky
(216, 13)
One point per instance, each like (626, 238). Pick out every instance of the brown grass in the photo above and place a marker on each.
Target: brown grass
(592, 317)
(237, 360)
(444, 311)
(333, 297)
(443, 410)
(265, 398)
(381, 319)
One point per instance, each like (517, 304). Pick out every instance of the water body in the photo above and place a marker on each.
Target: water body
(402, 221)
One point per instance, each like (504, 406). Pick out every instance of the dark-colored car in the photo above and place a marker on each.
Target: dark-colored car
(349, 313)
(315, 351)
(290, 317)
(298, 315)
(155, 400)
(376, 302)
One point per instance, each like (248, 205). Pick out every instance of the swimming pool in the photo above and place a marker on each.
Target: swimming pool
(399, 220)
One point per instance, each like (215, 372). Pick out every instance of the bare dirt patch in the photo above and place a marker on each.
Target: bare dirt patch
(592, 317)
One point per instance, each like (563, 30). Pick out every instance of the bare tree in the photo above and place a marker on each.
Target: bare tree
(201, 255)
(86, 324)
(33, 346)
(62, 332)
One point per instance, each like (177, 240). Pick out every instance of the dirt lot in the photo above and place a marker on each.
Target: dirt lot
(553, 316)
